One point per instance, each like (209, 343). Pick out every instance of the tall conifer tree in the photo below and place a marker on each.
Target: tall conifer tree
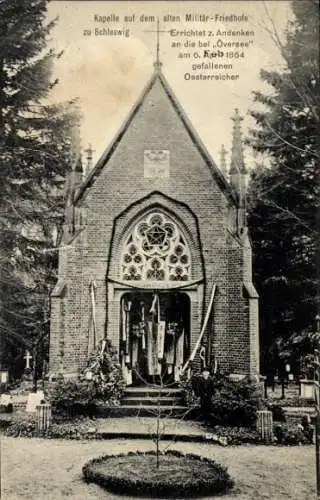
(35, 157)
(284, 196)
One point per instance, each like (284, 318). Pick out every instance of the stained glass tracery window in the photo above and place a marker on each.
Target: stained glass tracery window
(156, 250)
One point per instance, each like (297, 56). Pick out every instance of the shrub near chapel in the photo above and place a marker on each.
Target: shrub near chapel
(101, 381)
(227, 402)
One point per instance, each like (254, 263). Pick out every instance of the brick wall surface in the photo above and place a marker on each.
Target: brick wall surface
(118, 197)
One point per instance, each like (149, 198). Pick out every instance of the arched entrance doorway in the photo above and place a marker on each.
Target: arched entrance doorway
(155, 336)
(153, 293)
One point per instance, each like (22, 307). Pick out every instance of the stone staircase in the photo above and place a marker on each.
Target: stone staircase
(151, 401)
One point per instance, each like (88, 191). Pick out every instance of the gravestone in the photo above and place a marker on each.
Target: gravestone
(43, 417)
(34, 400)
(265, 425)
(5, 399)
(5, 403)
(4, 377)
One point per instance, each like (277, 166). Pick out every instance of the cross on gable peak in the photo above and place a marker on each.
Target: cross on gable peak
(157, 63)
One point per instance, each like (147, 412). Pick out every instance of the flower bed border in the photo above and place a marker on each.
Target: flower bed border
(162, 489)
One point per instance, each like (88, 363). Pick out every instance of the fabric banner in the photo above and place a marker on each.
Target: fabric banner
(179, 356)
(123, 322)
(155, 307)
(143, 341)
(135, 350)
(154, 368)
(169, 355)
(127, 308)
(143, 328)
(161, 334)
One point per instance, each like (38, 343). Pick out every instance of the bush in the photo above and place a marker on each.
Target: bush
(227, 402)
(178, 475)
(295, 402)
(190, 398)
(75, 430)
(106, 373)
(70, 398)
(23, 428)
(78, 429)
(237, 435)
(101, 380)
(290, 435)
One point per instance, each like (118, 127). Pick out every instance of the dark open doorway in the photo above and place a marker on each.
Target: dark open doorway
(154, 336)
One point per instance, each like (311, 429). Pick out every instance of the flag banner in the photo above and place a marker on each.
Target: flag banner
(127, 327)
(143, 327)
(179, 356)
(154, 368)
(135, 351)
(123, 322)
(170, 349)
(161, 337)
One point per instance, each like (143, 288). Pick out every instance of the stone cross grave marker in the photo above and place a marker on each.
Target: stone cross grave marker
(28, 358)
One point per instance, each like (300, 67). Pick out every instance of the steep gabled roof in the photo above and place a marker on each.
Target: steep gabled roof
(215, 171)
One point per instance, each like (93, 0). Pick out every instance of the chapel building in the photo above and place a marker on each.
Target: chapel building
(155, 253)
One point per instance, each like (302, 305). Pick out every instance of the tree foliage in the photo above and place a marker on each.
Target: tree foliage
(283, 197)
(35, 156)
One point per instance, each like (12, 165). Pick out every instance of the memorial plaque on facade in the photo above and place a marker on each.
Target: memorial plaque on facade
(156, 163)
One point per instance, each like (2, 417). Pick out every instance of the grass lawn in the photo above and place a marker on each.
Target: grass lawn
(145, 465)
(170, 475)
(38, 469)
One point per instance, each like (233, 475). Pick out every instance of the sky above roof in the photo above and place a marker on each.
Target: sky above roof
(109, 72)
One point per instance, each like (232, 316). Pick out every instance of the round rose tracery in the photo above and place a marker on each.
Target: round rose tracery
(156, 250)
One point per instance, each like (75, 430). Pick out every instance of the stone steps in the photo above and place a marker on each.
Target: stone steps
(153, 391)
(143, 411)
(152, 395)
(150, 401)
(144, 397)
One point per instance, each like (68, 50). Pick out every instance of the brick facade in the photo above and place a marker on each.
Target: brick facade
(197, 198)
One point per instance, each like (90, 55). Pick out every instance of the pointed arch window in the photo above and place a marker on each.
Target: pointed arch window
(156, 250)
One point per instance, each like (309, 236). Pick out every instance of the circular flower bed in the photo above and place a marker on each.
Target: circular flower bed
(175, 476)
